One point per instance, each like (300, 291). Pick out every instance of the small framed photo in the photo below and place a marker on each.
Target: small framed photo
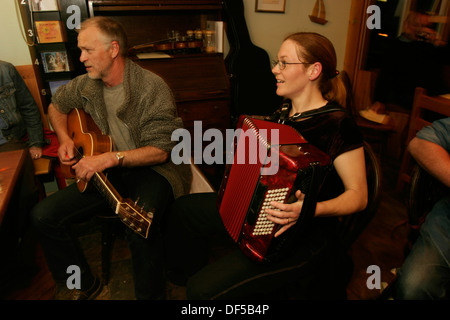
(55, 61)
(54, 85)
(44, 5)
(270, 6)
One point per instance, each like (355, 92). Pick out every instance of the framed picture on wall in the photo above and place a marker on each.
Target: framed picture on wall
(54, 85)
(44, 5)
(55, 61)
(270, 6)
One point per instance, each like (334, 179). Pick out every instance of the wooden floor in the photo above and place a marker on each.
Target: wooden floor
(381, 244)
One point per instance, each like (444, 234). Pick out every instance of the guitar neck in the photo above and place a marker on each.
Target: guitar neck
(87, 137)
(100, 181)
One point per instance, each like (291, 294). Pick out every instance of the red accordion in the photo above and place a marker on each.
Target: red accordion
(287, 163)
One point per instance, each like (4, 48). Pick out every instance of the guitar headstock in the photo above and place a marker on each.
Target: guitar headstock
(134, 217)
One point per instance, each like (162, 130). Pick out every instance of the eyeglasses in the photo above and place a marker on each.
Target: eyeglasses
(282, 64)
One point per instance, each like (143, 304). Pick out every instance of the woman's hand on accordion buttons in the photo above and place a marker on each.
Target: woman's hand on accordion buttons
(286, 214)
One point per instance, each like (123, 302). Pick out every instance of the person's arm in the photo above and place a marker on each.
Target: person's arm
(88, 166)
(432, 157)
(30, 114)
(145, 156)
(350, 167)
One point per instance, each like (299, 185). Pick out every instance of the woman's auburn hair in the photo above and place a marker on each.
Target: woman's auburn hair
(313, 47)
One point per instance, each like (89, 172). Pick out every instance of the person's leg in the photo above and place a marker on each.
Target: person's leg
(195, 223)
(235, 276)
(193, 220)
(155, 194)
(53, 218)
(425, 273)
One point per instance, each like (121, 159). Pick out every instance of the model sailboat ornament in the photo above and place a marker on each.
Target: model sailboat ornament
(318, 13)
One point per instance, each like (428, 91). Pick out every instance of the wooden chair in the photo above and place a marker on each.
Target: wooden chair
(372, 132)
(350, 227)
(425, 110)
(331, 281)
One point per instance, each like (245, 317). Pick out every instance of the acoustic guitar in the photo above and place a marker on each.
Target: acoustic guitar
(89, 141)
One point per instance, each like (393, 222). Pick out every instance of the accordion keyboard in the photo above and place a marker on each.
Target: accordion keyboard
(263, 225)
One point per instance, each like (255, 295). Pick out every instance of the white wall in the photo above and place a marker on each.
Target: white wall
(12, 44)
(267, 30)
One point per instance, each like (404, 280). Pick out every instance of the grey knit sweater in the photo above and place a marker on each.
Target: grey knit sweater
(149, 112)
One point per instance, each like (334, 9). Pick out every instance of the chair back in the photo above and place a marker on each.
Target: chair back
(29, 77)
(42, 166)
(351, 226)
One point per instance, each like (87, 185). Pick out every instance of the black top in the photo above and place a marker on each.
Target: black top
(334, 132)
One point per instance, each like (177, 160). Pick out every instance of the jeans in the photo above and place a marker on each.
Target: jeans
(54, 216)
(18, 110)
(425, 273)
(195, 226)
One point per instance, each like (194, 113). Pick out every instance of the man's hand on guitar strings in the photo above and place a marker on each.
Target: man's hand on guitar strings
(286, 214)
(66, 153)
(89, 165)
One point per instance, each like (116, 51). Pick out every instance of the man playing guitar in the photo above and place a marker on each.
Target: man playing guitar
(136, 108)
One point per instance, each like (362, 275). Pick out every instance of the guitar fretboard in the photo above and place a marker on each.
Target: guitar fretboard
(135, 218)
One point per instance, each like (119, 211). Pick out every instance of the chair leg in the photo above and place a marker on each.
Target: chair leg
(107, 242)
(41, 188)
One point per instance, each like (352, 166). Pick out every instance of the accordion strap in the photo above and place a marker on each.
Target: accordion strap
(284, 112)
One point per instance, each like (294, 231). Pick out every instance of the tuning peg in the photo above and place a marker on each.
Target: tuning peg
(136, 201)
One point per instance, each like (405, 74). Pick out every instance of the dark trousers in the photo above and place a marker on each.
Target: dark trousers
(195, 223)
(54, 216)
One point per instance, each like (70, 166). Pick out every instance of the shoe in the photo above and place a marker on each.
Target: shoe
(175, 292)
(104, 294)
(63, 293)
